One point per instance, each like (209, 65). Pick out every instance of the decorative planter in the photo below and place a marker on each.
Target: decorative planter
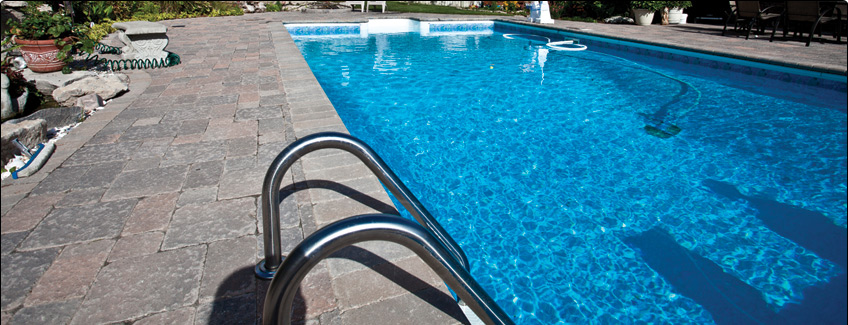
(40, 55)
(674, 15)
(643, 17)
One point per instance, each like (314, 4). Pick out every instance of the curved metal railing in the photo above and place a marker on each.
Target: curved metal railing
(346, 232)
(333, 140)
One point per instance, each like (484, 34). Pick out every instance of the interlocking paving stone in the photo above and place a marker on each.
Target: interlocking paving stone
(190, 153)
(29, 212)
(11, 240)
(241, 183)
(424, 307)
(140, 133)
(65, 226)
(193, 126)
(364, 255)
(204, 174)
(20, 270)
(118, 151)
(384, 281)
(154, 147)
(60, 180)
(71, 273)
(176, 317)
(151, 213)
(259, 112)
(200, 195)
(153, 283)
(229, 269)
(81, 197)
(194, 224)
(217, 100)
(136, 245)
(237, 310)
(146, 182)
(59, 312)
(101, 175)
(238, 147)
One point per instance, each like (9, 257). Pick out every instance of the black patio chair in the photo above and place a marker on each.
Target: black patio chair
(748, 15)
(812, 13)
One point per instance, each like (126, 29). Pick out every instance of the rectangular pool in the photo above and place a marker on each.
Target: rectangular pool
(624, 183)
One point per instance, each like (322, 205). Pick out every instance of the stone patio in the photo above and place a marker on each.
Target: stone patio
(148, 212)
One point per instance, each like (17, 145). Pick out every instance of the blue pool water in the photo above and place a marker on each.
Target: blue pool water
(539, 164)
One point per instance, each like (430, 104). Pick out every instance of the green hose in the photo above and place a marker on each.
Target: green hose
(127, 64)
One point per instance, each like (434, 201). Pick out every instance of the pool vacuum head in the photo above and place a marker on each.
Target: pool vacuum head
(659, 128)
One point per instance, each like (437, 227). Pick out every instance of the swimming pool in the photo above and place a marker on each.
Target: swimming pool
(562, 177)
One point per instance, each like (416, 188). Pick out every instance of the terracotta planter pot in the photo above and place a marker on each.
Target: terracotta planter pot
(40, 55)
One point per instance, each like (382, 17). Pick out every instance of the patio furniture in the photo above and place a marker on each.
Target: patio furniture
(353, 5)
(749, 15)
(813, 13)
(375, 3)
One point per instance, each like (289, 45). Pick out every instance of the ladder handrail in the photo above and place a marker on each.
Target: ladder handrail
(349, 231)
(270, 199)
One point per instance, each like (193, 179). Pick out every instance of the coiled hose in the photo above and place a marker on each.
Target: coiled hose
(128, 64)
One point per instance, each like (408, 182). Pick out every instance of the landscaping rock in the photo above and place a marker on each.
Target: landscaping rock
(28, 132)
(619, 20)
(106, 86)
(55, 117)
(47, 82)
(90, 102)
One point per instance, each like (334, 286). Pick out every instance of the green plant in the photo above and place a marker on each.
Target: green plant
(273, 7)
(97, 11)
(58, 27)
(649, 5)
(678, 4)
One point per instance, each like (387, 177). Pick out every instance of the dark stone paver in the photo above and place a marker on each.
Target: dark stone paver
(204, 174)
(29, 212)
(65, 226)
(195, 224)
(185, 154)
(71, 273)
(176, 317)
(151, 213)
(237, 310)
(20, 270)
(11, 240)
(146, 182)
(59, 312)
(119, 151)
(160, 282)
(229, 269)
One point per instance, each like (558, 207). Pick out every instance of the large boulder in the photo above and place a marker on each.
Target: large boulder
(29, 132)
(106, 86)
(55, 117)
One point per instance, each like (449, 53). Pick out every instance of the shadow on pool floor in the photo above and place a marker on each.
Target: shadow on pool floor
(728, 299)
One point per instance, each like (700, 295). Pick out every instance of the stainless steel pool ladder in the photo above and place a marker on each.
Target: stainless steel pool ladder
(349, 231)
(266, 268)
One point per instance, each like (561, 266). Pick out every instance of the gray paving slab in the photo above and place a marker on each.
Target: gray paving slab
(11, 240)
(64, 226)
(196, 224)
(176, 317)
(160, 282)
(185, 154)
(89, 154)
(146, 182)
(59, 312)
(20, 271)
(228, 271)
